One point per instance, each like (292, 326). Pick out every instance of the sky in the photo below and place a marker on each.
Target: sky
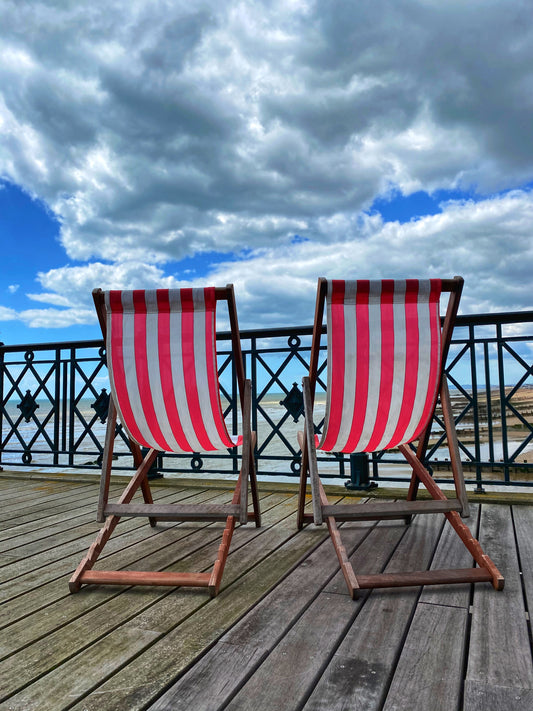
(158, 143)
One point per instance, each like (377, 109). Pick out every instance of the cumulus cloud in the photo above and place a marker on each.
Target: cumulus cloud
(157, 130)
(487, 242)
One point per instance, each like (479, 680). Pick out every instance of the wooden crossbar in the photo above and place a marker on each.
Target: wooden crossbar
(424, 577)
(400, 509)
(176, 512)
(137, 577)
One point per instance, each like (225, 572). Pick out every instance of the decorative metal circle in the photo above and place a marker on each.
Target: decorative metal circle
(26, 457)
(102, 353)
(29, 356)
(294, 342)
(296, 465)
(196, 463)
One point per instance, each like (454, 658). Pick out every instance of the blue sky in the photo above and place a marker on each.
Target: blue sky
(264, 143)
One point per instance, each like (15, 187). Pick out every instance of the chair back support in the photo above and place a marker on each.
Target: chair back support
(161, 352)
(384, 362)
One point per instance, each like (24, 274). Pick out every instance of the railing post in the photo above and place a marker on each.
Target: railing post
(473, 372)
(253, 372)
(57, 405)
(1, 400)
(503, 403)
(488, 395)
(359, 473)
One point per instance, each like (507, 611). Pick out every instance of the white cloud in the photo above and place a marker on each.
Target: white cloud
(488, 243)
(160, 130)
(13, 288)
(7, 314)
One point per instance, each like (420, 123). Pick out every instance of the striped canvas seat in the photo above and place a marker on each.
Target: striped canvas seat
(161, 350)
(383, 362)
(385, 365)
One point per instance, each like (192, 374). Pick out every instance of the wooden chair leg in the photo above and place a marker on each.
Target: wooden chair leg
(253, 484)
(420, 454)
(454, 518)
(453, 445)
(107, 460)
(309, 444)
(247, 453)
(145, 484)
(103, 536)
(223, 551)
(303, 482)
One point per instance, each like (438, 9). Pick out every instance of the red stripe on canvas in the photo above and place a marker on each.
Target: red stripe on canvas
(362, 364)
(116, 352)
(165, 369)
(211, 365)
(412, 340)
(141, 366)
(336, 333)
(433, 381)
(386, 364)
(189, 368)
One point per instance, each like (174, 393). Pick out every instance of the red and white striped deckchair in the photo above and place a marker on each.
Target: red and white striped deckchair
(385, 363)
(161, 356)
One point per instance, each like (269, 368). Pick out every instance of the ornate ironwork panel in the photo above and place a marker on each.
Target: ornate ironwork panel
(54, 401)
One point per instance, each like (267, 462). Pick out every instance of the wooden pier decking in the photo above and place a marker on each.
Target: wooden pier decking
(283, 633)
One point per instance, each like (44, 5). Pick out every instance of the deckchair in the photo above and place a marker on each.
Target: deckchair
(161, 356)
(386, 350)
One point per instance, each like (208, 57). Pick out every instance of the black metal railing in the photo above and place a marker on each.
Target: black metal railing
(54, 400)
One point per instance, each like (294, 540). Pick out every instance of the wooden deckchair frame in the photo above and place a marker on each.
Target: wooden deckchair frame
(110, 513)
(453, 509)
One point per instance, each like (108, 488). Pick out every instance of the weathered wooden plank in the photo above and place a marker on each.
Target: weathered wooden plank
(499, 652)
(27, 490)
(55, 691)
(429, 671)
(480, 696)
(88, 625)
(97, 620)
(56, 591)
(360, 671)
(451, 553)
(523, 521)
(64, 532)
(220, 673)
(39, 507)
(266, 560)
(285, 678)
(33, 526)
(73, 547)
(130, 532)
(12, 484)
(176, 649)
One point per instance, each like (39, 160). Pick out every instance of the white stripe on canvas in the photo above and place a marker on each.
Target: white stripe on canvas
(398, 379)
(130, 371)
(374, 365)
(424, 358)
